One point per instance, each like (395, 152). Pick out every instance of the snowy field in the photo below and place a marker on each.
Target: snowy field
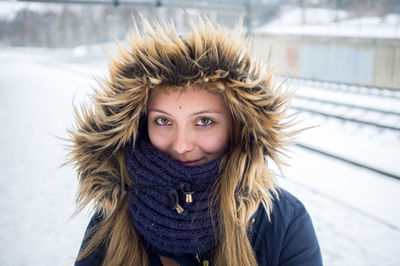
(354, 210)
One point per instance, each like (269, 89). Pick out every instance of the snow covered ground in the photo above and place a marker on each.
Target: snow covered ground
(383, 144)
(354, 211)
(36, 193)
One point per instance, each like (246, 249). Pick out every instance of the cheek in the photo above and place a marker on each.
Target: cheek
(160, 141)
(215, 144)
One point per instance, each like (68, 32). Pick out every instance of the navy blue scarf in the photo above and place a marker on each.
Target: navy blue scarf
(160, 200)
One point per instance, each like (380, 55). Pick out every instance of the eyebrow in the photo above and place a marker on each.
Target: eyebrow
(157, 110)
(196, 113)
(207, 112)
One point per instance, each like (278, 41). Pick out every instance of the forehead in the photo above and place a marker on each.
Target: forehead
(189, 99)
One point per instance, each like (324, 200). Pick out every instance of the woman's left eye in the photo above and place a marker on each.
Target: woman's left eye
(204, 121)
(162, 121)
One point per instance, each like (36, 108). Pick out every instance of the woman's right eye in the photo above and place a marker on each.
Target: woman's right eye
(162, 121)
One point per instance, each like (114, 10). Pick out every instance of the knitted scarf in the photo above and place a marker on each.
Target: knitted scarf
(169, 201)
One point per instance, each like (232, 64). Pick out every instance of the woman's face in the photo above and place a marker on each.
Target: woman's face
(192, 127)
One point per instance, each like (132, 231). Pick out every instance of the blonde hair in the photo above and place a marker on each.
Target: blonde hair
(207, 57)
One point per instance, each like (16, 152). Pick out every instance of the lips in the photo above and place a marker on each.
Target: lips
(191, 163)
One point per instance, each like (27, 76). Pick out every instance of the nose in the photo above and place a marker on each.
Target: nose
(182, 141)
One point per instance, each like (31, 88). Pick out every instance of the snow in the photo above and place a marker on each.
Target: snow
(347, 236)
(291, 16)
(389, 103)
(331, 22)
(383, 145)
(354, 211)
(37, 194)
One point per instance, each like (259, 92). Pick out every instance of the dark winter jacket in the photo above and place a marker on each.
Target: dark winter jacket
(288, 239)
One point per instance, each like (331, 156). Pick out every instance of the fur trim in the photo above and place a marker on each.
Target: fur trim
(160, 58)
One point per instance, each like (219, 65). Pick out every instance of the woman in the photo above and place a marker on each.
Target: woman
(173, 158)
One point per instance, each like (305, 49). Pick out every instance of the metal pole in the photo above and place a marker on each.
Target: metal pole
(248, 17)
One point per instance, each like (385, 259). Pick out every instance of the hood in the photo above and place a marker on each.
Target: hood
(159, 58)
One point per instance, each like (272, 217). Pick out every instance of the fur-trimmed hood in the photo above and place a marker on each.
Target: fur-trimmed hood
(160, 58)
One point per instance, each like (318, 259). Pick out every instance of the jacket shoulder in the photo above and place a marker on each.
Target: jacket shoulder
(97, 256)
(287, 237)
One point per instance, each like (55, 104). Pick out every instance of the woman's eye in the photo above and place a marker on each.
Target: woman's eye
(162, 121)
(204, 121)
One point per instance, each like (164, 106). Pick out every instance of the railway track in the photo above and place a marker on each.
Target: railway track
(367, 109)
(352, 106)
(349, 88)
(343, 118)
(383, 115)
(349, 161)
